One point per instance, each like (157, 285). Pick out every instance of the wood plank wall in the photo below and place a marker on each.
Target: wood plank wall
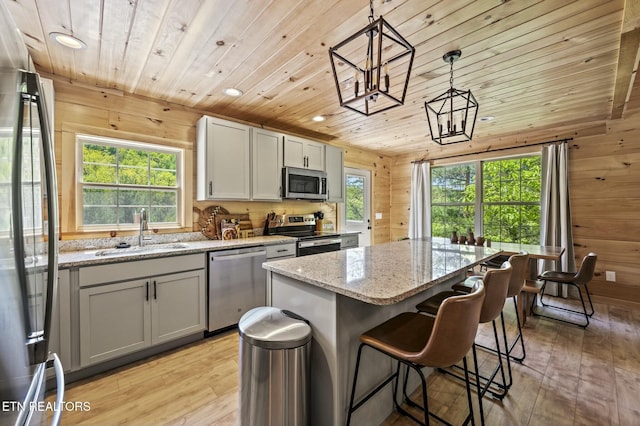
(604, 176)
(111, 113)
(603, 159)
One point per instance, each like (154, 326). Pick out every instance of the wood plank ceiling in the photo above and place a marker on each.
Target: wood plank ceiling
(531, 64)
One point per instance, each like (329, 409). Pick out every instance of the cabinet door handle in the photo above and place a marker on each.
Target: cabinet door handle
(147, 297)
(210, 188)
(155, 290)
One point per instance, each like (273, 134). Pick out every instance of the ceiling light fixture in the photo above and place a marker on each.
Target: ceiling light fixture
(371, 68)
(318, 118)
(452, 115)
(232, 91)
(67, 40)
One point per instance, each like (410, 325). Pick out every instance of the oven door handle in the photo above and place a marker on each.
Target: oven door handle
(322, 242)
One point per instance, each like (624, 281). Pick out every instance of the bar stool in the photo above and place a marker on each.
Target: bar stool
(496, 284)
(519, 263)
(579, 280)
(419, 341)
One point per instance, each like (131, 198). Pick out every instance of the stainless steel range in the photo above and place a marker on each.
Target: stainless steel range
(303, 227)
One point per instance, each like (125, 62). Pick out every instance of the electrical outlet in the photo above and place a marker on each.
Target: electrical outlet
(610, 275)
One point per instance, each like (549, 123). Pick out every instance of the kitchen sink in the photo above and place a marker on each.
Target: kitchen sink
(151, 248)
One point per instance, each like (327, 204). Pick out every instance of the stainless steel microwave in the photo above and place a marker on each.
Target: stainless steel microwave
(304, 184)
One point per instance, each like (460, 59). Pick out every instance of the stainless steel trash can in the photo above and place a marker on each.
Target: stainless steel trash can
(274, 368)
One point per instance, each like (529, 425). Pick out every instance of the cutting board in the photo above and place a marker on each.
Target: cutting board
(209, 227)
(242, 218)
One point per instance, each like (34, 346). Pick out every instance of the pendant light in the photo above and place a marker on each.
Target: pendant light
(371, 68)
(452, 115)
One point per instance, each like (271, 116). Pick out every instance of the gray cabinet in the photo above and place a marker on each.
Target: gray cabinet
(132, 312)
(223, 160)
(349, 241)
(60, 342)
(177, 307)
(281, 251)
(334, 161)
(303, 153)
(266, 157)
(114, 320)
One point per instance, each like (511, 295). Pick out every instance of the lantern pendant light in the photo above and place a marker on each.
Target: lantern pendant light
(452, 115)
(371, 68)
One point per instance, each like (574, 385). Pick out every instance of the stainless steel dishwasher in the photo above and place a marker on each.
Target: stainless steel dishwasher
(237, 283)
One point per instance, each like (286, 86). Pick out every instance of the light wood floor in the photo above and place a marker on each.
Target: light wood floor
(570, 376)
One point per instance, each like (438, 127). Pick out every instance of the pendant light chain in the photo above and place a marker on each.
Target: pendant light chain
(371, 18)
(451, 74)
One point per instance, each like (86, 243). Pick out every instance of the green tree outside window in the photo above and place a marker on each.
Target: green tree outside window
(119, 179)
(509, 206)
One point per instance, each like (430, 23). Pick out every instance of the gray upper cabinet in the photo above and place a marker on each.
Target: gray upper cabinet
(223, 160)
(303, 153)
(266, 169)
(334, 157)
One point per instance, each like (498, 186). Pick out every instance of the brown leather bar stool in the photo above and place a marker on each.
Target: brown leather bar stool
(419, 341)
(496, 284)
(579, 280)
(519, 263)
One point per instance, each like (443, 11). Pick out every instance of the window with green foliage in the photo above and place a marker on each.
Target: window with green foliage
(499, 199)
(511, 200)
(453, 194)
(119, 178)
(355, 198)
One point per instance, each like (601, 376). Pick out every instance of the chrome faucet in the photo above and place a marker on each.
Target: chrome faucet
(144, 226)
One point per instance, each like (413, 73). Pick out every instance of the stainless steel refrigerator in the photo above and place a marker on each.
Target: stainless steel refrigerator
(28, 239)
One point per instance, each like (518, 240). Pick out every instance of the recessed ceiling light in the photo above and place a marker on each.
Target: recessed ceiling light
(67, 40)
(318, 118)
(232, 91)
(486, 118)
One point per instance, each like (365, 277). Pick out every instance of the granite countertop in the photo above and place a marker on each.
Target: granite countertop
(88, 257)
(387, 273)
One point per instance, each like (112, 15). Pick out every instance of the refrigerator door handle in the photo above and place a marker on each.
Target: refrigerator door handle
(37, 340)
(17, 217)
(57, 409)
(52, 218)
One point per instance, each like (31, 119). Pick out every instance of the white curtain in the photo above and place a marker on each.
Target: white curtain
(555, 212)
(420, 212)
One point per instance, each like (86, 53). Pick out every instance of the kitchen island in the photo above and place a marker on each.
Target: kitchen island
(345, 293)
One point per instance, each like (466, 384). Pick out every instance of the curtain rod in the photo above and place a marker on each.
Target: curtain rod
(492, 150)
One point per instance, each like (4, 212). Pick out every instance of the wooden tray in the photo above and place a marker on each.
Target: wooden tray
(242, 219)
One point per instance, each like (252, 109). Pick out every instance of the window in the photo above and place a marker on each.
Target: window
(511, 200)
(453, 193)
(499, 199)
(118, 178)
(355, 198)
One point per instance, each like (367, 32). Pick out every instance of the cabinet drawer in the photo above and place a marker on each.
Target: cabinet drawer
(281, 250)
(123, 271)
(349, 241)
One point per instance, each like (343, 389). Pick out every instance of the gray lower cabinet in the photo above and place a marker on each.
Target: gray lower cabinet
(60, 340)
(119, 318)
(115, 320)
(281, 251)
(349, 241)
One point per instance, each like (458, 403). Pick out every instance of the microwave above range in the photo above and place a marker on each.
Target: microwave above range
(304, 184)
